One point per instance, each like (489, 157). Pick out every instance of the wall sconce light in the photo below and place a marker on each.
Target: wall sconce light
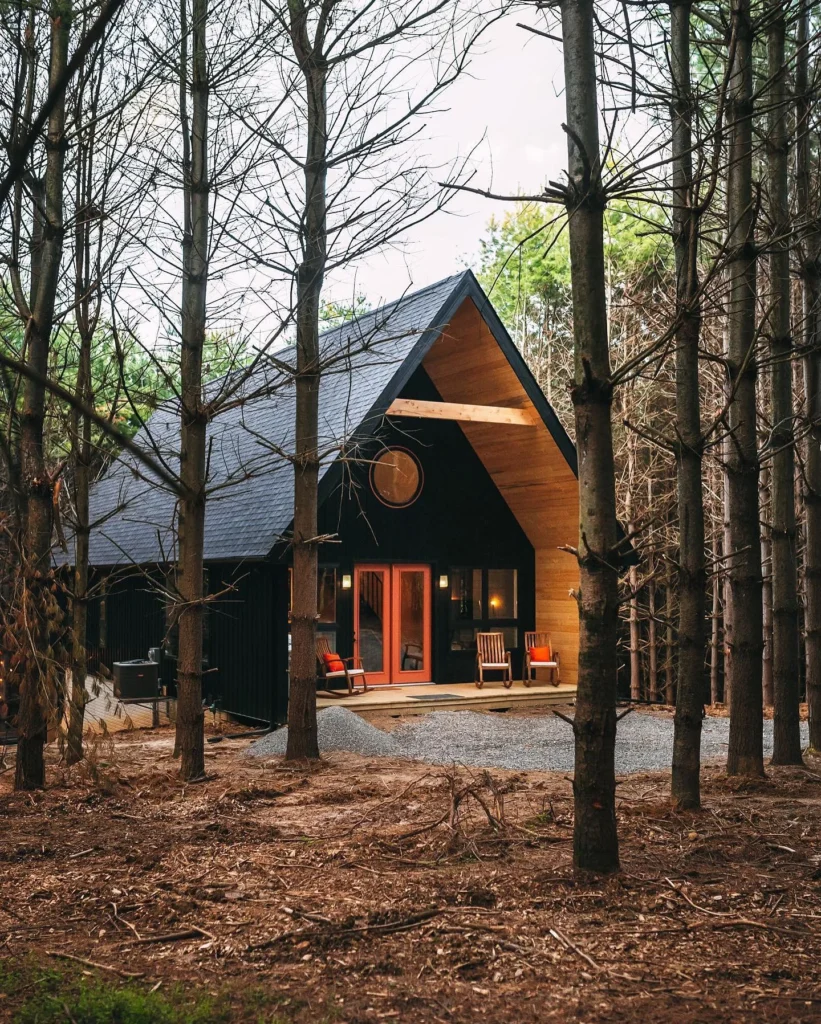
(443, 583)
(346, 581)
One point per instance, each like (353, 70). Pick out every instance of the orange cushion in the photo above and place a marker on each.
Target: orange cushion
(540, 654)
(333, 663)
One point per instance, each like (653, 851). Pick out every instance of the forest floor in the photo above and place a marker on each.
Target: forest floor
(363, 890)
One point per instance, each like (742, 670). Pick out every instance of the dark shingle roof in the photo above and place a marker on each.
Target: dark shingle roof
(250, 502)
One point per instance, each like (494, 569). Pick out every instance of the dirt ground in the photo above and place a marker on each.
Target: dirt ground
(361, 890)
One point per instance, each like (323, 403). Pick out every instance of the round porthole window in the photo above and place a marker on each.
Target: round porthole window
(396, 477)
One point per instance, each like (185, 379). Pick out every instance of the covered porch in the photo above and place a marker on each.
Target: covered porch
(419, 699)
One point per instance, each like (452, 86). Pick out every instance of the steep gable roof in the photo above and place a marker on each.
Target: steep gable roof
(250, 502)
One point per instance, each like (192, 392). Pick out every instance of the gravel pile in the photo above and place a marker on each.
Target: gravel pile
(643, 742)
(338, 729)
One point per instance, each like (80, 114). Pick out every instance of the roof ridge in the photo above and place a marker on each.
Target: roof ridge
(407, 297)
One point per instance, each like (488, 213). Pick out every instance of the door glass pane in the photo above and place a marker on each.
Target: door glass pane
(372, 619)
(465, 595)
(411, 621)
(501, 593)
(463, 639)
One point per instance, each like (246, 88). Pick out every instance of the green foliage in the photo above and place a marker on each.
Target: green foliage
(134, 381)
(524, 265)
(128, 381)
(637, 245)
(38, 995)
(332, 314)
(524, 260)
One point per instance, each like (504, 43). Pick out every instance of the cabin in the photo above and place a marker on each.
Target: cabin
(447, 493)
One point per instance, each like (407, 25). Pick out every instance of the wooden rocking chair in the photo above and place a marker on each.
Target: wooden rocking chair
(351, 670)
(492, 656)
(540, 644)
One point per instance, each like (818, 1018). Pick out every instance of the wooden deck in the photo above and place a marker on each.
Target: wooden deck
(415, 700)
(105, 713)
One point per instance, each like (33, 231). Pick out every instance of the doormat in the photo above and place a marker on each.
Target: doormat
(434, 696)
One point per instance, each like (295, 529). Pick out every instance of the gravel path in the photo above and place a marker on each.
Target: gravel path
(644, 742)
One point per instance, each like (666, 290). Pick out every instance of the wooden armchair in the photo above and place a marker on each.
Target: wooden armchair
(540, 644)
(351, 670)
(492, 656)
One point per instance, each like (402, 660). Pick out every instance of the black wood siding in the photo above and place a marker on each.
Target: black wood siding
(135, 620)
(248, 641)
(246, 635)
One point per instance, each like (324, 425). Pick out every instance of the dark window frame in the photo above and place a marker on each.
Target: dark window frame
(485, 624)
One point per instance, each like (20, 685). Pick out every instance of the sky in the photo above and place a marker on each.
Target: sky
(513, 100)
(508, 109)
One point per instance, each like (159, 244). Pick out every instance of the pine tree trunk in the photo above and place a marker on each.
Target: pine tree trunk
(633, 577)
(715, 621)
(302, 734)
(81, 442)
(85, 286)
(726, 594)
(692, 580)
(810, 250)
(745, 751)
(652, 640)
(595, 839)
(766, 586)
(786, 723)
(669, 668)
(193, 419)
(35, 696)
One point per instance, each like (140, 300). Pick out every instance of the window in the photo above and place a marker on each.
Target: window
(483, 601)
(501, 593)
(463, 639)
(465, 594)
(396, 477)
(511, 637)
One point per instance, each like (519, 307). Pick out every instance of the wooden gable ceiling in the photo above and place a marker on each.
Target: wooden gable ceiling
(467, 365)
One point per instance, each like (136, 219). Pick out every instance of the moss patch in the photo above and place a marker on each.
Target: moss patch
(33, 994)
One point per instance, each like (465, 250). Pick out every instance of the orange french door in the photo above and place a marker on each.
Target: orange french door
(392, 620)
(410, 624)
(372, 620)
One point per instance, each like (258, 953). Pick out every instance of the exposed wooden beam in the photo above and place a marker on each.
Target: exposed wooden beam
(419, 409)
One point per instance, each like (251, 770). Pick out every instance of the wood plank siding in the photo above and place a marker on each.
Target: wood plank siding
(467, 364)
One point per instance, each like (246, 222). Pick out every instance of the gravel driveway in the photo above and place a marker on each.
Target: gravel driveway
(643, 743)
